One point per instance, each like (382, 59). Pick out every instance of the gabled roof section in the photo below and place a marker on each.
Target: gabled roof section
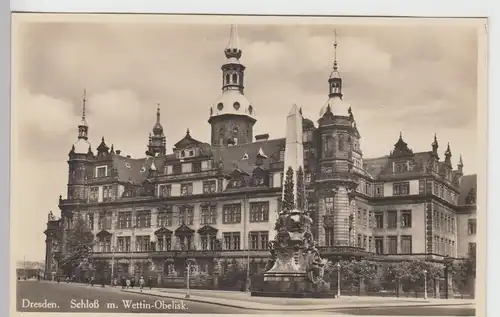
(206, 229)
(231, 156)
(163, 232)
(183, 230)
(401, 148)
(187, 141)
(103, 234)
(468, 190)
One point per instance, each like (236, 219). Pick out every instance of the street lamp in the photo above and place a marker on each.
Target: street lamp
(113, 249)
(338, 279)
(188, 267)
(425, 284)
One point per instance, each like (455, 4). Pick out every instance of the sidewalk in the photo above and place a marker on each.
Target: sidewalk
(245, 301)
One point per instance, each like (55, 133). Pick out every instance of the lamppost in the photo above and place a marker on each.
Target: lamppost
(248, 264)
(338, 279)
(113, 249)
(188, 268)
(425, 284)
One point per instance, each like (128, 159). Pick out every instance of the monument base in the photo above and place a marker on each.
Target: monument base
(292, 285)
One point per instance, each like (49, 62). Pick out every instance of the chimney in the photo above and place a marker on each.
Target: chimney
(118, 152)
(262, 137)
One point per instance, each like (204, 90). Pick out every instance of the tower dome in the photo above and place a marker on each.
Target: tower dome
(337, 106)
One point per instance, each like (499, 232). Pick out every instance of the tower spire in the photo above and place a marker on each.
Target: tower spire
(83, 127)
(158, 113)
(335, 64)
(335, 81)
(233, 50)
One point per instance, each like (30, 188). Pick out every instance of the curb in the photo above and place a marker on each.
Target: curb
(299, 308)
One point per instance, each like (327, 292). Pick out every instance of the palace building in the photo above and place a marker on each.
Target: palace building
(218, 201)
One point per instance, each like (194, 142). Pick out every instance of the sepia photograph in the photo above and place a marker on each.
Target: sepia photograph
(247, 164)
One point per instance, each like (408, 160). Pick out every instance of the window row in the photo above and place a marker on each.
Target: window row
(230, 241)
(390, 244)
(191, 167)
(389, 219)
(443, 222)
(443, 246)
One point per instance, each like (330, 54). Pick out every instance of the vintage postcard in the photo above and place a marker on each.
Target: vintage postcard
(248, 165)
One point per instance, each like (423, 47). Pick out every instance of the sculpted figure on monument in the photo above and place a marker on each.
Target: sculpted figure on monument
(272, 259)
(314, 264)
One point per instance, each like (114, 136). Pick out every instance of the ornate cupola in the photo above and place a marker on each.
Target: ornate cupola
(82, 144)
(401, 148)
(335, 103)
(232, 116)
(102, 149)
(157, 141)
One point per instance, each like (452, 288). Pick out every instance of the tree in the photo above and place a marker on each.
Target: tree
(288, 194)
(301, 190)
(79, 243)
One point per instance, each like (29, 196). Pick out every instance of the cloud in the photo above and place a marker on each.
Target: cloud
(425, 78)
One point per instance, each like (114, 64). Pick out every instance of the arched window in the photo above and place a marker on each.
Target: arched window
(341, 142)
(235, 78)
(227, 79)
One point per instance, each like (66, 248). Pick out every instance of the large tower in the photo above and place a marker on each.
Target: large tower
(232, 116)
(339, 156)
(157, 141)
(79, 158)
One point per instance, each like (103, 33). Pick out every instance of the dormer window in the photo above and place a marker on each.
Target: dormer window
(191, 153)
(127, 165)
(183, 153)
(101, 171)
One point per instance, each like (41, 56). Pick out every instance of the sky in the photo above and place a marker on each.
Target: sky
(414, 79)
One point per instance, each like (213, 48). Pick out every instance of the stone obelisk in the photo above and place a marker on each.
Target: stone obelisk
(294, 149)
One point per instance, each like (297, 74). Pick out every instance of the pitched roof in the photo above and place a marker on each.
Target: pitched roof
(467, 183)
(244, 156)
(135, 170)
(187, 141)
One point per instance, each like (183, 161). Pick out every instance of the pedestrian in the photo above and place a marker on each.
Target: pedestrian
(150, 282)
(132, 282)
(115, 281)
(124, 282)
(92, 281)
(128, 282)
(141, 283)
(103, 281)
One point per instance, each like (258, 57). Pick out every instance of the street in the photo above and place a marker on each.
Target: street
(53, 297)
(410, 311)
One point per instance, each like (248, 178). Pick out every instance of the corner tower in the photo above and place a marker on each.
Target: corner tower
(80, 157)
(232, 116)
(339, 158)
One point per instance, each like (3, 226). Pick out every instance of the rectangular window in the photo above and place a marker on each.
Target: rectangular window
(105, 219)
(142, 243)
(401, 188)
(329, 242)
(379, 220)
(187, 167)
(101, 171)
(165, 190)
(208, 214)
(143, 219)
(379, 190)
(307, 177)
(107, 193)
(90, 220)
(124, 219)
(392, 242)
(231, 213)
(472, 226)
(406, 244)
(259, 212)
(165, 217)
(379, 245)
(105, 244)
(206, 165)
(209, 187)
(169, 170)
(259, 240)
(186, 214)
(472, 248)
(254, 240)
(231, 240)
(329, 205)
(370, 244)
(282, 155)
(405, 218)
(94, 194)
(360, 241)
(186, 189)
(392, 219)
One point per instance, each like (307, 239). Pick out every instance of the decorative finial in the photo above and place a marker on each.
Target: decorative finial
(460, 162)
(335, 64)
(158, 113)
(84, 103)
(102, 139)
(400, 135)
(187, 131)
(232, 50)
